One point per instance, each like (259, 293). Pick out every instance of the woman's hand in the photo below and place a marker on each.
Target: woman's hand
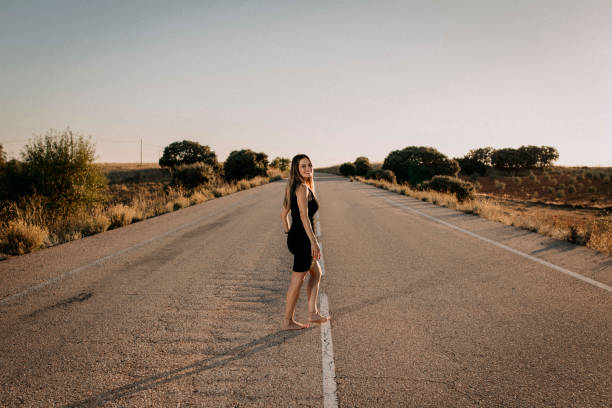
(315, 250)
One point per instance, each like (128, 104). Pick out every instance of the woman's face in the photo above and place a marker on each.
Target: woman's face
(305, 167)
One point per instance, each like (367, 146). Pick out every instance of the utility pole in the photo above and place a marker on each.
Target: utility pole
(140, 152)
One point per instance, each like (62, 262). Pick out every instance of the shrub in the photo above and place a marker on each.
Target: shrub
(571, 189)
(2, 156)
(19, 237)
(362, 166)
(280, 163)
(193, 175)
(347, 169)
(415, 164)
(549, 190)
(591, 189)
(200, 196)
(517, 180)
(14, 182)
(560, 193)
(500, 185)
(188, 152)
(463, 190)
(245, 164)
(180, 202)
(94, 223)
(243, 185)
(59, 167)
(380, 174)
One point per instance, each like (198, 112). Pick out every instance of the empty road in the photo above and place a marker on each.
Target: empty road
(431, 308)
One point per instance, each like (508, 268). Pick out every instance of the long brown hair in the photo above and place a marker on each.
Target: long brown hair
(295, 179)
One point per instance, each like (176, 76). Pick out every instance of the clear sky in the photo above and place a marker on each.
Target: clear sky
(332, 79)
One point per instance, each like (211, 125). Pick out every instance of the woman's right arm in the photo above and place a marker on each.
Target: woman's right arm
(285, 219)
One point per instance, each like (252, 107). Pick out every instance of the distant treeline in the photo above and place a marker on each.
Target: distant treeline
(415, 164)
(426, 168)
(525, 157)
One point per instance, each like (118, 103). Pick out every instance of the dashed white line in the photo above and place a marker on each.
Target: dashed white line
(330, 399)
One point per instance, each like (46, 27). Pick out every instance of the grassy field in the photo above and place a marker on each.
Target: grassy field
(532, 201)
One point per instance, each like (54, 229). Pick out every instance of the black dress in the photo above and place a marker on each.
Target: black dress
(297, 239)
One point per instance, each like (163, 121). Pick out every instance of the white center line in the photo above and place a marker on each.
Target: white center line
(330, 399)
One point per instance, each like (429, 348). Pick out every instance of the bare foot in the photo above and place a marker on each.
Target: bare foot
(317, 318)
(292, 325)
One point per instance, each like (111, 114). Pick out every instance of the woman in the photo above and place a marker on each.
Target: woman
(301, 241)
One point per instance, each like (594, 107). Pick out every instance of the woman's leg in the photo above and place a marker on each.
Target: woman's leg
(313, 292)
(293, 293)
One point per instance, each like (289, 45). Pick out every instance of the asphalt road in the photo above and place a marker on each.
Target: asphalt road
(183, 310)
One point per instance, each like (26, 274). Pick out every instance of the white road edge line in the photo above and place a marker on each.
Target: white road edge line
(507, 248)
(330, 399)
(100, 260)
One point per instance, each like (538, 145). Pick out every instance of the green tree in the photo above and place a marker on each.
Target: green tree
(529, 156)
(547, 156)
(188, 152)
(415, 164)
(59, 166)
(362, 166)
(245, 164)
(347, 169)
(506, 159)
(281, 163)
(476, 161)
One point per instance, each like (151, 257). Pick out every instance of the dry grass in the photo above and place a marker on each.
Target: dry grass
(94, 223)
(276, 174)
(121, 215)
(583, 228)
(20, 237)
(129, 201)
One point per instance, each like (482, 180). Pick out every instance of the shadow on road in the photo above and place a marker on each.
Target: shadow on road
(233, 354)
